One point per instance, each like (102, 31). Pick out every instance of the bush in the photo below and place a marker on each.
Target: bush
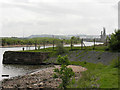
(114, 43)
(64, 72)
(60, 49)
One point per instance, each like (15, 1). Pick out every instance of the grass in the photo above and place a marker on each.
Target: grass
(97, 76)
(88, 48)
(97, 48)
(53, 53)
(50, 49)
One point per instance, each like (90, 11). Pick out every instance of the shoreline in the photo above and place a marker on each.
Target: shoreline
(42, 78)
(10, 46)
(32, 71)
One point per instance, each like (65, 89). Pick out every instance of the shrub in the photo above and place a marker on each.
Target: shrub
(114, 43)
(60, 49)
(64, 72)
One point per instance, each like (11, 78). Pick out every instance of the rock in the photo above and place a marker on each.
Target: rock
(40, 84)
(35, 84)
(40, 79)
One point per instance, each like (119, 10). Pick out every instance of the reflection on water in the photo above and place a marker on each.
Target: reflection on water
(15, 70)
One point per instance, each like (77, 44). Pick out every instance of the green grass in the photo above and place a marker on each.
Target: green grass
(97, 48)
(97, 76)
(50, 49)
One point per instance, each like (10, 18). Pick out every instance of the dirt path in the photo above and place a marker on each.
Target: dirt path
(40, 79)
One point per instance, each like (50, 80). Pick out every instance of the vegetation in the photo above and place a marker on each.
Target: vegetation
(64, 72)
(66, 49)
(98, 75)
(60, 49)
(114, 43)
(32, 41)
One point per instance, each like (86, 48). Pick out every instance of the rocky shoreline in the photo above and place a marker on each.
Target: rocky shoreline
(39, 79)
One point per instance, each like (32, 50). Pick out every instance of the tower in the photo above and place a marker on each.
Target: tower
(103, 34)
(104, 31)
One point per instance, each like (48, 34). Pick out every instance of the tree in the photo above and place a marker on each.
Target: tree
(60, 49)
(114, 42)
(72, 40)
(64, 72)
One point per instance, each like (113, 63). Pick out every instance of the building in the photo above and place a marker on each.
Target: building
(103, 35)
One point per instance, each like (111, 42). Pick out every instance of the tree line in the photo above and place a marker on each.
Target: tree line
(38, 41)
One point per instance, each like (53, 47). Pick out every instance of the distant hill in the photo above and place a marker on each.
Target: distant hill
(44, 35)
(65, 36)
(51, 36)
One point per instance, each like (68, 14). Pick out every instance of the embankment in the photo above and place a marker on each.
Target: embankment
(90, 56)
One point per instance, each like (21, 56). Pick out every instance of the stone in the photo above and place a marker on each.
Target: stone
(31, 58)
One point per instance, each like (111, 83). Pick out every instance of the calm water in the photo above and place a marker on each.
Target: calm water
(15, 70)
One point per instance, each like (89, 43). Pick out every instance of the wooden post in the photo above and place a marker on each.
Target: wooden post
(71, 44)
(53, 42)
(35, 46)
(82, 43)
(44, 44)
(62, 42)
(29, 45)
(94, 43)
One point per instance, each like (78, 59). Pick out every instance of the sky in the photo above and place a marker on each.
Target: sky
(34, 17)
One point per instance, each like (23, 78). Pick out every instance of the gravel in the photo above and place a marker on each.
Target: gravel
(39, 79)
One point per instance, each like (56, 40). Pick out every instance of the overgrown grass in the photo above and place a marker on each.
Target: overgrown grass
(97, 76)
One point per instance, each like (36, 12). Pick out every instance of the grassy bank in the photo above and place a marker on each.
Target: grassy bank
(97, 76)
(67, 50)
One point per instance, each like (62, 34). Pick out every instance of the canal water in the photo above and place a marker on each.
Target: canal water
(15, 70)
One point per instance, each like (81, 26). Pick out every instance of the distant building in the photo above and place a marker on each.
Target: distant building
(103, 35)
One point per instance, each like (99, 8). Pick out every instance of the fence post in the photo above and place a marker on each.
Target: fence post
(44, 44)
(35, 46)
(82, 43)
(94, 43)
(62, 42)
(71, 44)
(53, 42)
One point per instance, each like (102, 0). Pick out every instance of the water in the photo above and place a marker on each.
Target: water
(15, 70)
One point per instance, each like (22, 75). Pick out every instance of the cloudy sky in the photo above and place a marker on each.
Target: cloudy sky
(34, 17)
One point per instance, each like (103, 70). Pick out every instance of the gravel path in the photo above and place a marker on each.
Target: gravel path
(39, 79)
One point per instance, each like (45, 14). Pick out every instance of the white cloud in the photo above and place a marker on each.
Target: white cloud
(57, 16)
